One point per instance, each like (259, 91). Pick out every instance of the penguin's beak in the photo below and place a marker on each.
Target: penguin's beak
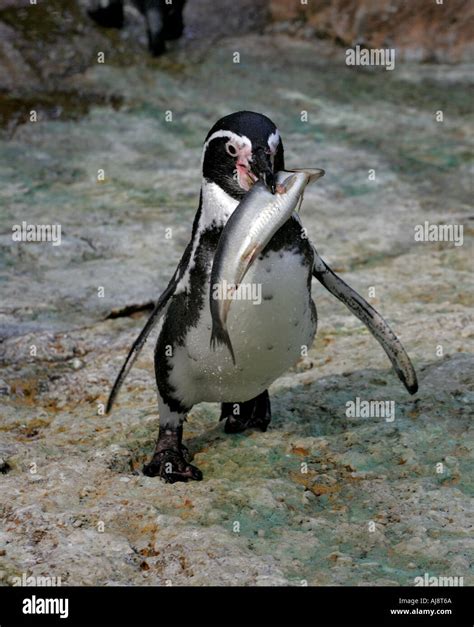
(262, 167)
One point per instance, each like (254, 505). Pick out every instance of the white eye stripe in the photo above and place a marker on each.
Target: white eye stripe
(241, 141)
(238, 140)
(273, 141)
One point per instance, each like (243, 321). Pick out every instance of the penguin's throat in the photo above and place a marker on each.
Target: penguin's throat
(217, 205)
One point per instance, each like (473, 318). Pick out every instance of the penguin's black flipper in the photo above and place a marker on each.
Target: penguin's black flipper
(150, 324)
(140, 341)
(372, 320)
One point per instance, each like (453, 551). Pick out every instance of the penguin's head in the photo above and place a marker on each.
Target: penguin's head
(239, 150)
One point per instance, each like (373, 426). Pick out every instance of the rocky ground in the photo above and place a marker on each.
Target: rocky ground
(321, 498)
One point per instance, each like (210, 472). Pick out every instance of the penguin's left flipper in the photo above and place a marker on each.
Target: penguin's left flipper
(372, 320)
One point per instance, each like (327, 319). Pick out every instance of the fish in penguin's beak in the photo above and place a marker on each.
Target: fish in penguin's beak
(262, 167)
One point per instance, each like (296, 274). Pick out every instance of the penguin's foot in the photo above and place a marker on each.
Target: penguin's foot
(171, 465)
(252, 414)
(154, 17)
(170, 460)
(173, 26)
(237, 424)
(156, 44)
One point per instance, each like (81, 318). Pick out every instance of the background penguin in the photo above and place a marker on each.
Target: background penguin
(267, 339)
(163, 21)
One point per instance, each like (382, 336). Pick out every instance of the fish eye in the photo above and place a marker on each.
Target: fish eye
(231, 149)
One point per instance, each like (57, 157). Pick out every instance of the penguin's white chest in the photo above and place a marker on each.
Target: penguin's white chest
(269, 327)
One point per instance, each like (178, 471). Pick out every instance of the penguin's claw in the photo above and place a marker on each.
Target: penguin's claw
(172, 466)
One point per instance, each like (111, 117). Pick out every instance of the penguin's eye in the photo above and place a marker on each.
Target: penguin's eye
(231, 149)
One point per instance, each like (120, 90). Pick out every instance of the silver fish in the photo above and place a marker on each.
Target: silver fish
(249, 229)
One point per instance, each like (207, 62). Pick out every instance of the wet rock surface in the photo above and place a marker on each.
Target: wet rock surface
(420, 31)
(294, 504)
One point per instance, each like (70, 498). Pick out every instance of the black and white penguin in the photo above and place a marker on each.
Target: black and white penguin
(164, 20)
(267, 338)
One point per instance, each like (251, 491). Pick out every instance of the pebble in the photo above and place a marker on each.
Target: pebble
(5, 389)
(4, 466)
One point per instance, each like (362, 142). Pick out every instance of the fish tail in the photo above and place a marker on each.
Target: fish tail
(220, 335)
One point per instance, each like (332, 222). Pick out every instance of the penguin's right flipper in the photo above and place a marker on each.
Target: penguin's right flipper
(140, 341)
(372, 320)
(156, 314)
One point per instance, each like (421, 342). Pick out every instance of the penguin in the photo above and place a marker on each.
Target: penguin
(240, 149)
(164, 20)
(106, 13)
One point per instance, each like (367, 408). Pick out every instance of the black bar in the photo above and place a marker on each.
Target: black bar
(296, 606)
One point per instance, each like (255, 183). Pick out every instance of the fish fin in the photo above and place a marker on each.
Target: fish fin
(220, 335)
(372, 320)
(300, 202)
(138, 344)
